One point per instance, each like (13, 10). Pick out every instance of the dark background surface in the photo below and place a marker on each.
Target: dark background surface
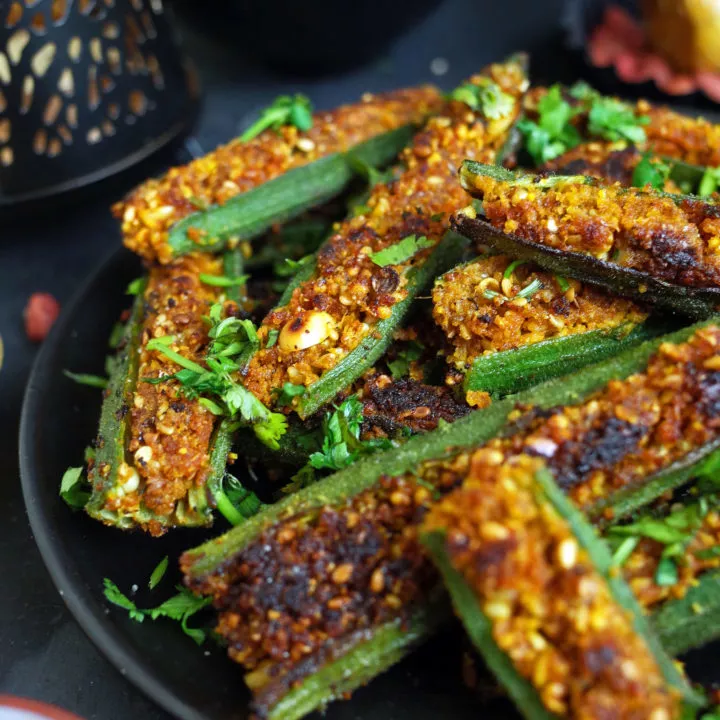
(43, 653)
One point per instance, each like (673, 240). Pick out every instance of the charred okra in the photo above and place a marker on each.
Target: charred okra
(242, 188)
(343, 311)
(655, 247)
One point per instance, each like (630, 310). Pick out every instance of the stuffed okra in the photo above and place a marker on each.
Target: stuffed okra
(656, 247)
(160, 450)
(341, 315)
(244, 187)
(386, 496)
(512, 325)
(536, 592)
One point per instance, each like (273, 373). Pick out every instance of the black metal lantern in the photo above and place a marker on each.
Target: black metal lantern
(87, 88)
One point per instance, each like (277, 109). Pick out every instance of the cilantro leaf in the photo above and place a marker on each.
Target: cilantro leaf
(486, 96)
(287, 393)
(289, 267)
(553, 133)
(666, 573)
(652, 172)
(400, 366)
(401, 251)
(235, 502)
(87, 379)
(615, 120)
(709, 182)
(285, 110)
(74, 489)
(136, 286)
(112, 594)
(223, 280)
(180, 607)
(158, 573)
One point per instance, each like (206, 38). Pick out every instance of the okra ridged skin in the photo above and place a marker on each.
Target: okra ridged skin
(511, 325)
(394, 490)
(535, 589)
(338, 320)
(654, 247)
(167, 443)
(242, 188)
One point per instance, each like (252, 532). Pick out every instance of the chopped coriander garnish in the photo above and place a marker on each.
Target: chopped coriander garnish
(666, 573)
(530, 289)
(614, 120)
(401, 251)
(289, 267)
(486, 96)
(286, 394)
(285, 110)
(563, 284)
(235, 502)
(233, 339)
(74, 489)
(650, 171)
(624, 551)
(86, 379)
(400, 366)
(709, 182)
(510, 269)
(158, 573)
(272, 338)
(490, 294)
(180, 607)
(223, 280)
(553, 133)
(339, 445)
(136, 286)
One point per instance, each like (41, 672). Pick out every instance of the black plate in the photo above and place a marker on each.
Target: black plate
(59, 419)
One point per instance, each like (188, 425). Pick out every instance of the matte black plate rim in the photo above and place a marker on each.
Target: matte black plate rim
(107, 639)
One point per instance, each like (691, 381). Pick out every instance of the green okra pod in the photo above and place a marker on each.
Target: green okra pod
(481, 570)
(655, 248)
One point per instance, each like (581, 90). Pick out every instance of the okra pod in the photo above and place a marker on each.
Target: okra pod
(536, 592)
(512, 325)
(160, 452)
(629, 167)
(383, 496)
(655, 247)
(341, 317)
(243, 188)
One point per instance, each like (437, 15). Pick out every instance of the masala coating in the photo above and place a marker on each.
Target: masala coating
(348, 294)
(169, 434)
(550, 610)
(336, 572)
(672, 238)
(481, 311)
(632, 428)
(392, 407)
(149, 211)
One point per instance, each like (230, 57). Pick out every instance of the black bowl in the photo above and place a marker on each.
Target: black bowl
(58, 420)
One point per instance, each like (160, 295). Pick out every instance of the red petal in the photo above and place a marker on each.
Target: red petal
(40, 313)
